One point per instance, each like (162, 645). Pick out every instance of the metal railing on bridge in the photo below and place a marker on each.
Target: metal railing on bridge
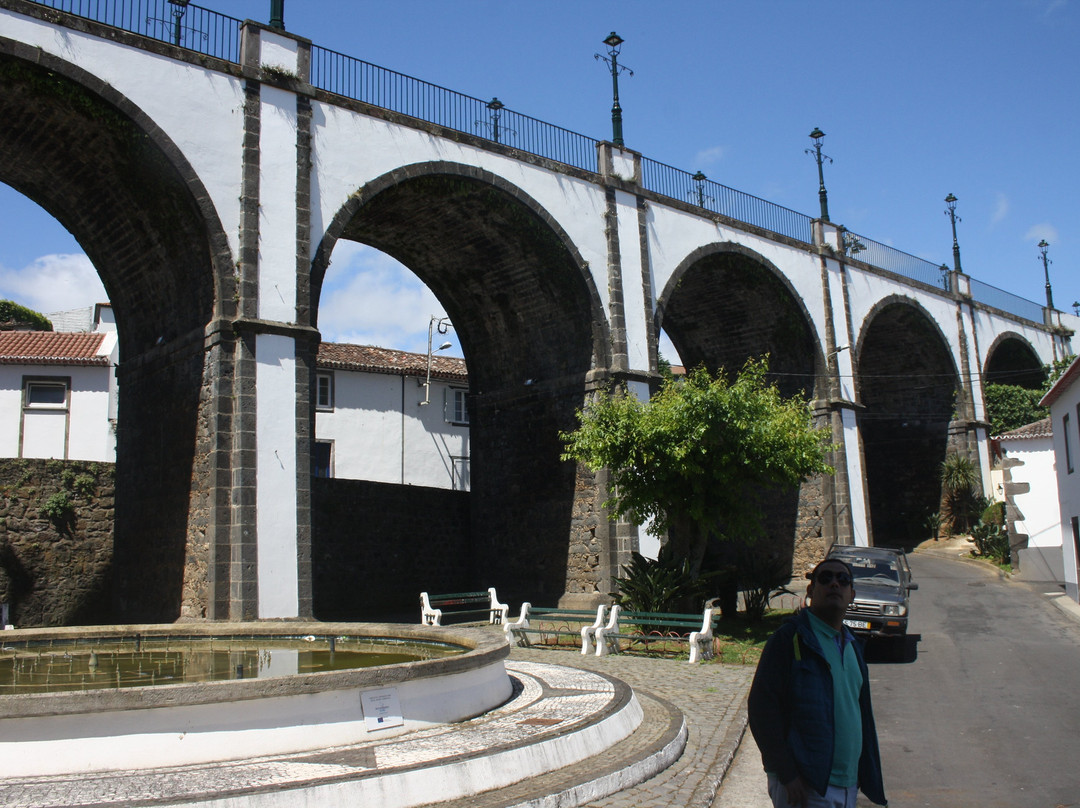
(698, 190)
(363, 81)
(889, 258)
(192, 27)
(218, 35)
(1006, 301)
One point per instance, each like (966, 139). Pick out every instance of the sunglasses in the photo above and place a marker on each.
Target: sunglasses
(826, 577)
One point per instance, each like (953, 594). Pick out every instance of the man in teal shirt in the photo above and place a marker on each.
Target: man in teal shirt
(809, 706)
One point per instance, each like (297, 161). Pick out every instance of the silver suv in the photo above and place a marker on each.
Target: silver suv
(882, 583)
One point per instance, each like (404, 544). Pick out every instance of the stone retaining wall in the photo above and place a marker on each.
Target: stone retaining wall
(56, 569)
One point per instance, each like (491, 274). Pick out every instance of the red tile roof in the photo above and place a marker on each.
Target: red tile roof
(338, 356)
(1038, 429)
(51, 348)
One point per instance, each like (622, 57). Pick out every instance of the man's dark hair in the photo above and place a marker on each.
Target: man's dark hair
(812, 575)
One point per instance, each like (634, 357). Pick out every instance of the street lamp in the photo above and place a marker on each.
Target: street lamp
(495, 108)
(1043, 245)
(697, 194)
(440, 324)
(950, 202)
(817, 136)
(179, 9)
(277, 14)
(613, 42)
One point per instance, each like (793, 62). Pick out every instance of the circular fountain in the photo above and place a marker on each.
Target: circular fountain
(283, 710)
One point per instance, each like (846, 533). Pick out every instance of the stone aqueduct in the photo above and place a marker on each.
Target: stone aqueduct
(209, 195)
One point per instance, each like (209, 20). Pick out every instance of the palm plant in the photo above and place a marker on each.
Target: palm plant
(959, 484)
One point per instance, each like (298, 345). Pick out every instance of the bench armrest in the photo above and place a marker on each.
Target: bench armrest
(612, 627)
(520, 623)
(589, 632)
(498, 611)
(428, 615)
(701, 641)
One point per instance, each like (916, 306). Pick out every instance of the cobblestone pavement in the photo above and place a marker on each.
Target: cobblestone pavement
(699, 709)
(711, 698)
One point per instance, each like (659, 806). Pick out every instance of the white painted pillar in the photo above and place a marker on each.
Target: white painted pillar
(275, 353)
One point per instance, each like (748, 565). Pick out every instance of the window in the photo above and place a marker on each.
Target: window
(457, 406)
(461, 473)
(46, 394)
(324, 391)
(1068, 448)
(322, 459)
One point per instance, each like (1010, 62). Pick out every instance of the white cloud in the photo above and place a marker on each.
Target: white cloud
(53, 283)
(1001, 208)
(1038, 232)
(710, 157)
(368, 298)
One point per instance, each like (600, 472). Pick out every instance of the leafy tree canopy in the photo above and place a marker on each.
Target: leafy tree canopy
(699, 449)
(1009, 406)
(12, 313)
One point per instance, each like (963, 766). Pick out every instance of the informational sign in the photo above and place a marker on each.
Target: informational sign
(382, 709)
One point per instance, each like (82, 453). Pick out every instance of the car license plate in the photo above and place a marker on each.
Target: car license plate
(856, 624)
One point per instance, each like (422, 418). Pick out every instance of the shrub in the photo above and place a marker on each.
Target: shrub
(959, 479)
(662, 585)
(58, 508)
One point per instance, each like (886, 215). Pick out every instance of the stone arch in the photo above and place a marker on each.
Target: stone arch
(692, 316)
(1011, 359)
(95, 161)
(908, 387)
(532, 327)
(724, 304)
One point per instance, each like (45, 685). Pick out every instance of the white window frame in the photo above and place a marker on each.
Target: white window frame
(46, 381)
(457, 406)
(330, 464)
(327, 404)
(462, 473)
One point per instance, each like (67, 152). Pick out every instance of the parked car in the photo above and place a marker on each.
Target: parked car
(882, 585)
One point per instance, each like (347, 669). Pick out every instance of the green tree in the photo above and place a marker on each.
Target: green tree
(13, 314)
(695, 455)
(1010, 406)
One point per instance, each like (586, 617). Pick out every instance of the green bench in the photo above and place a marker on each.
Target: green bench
(456, 605)
(554, 622)
(694, 629)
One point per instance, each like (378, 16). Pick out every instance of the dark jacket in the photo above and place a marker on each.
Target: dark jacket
(791, 711)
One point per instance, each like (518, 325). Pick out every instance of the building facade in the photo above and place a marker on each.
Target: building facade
(1063, 399)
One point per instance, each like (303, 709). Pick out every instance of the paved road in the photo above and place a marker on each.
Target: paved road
(986, 713)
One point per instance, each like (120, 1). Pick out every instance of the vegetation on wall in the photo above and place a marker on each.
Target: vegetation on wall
(13, 314)
(1010, 406)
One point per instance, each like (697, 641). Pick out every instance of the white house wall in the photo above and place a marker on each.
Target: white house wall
(89, 434)
(382, 433)
(1068, 483)
(1039, 505)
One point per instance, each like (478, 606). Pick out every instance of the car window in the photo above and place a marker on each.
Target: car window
(868, 568)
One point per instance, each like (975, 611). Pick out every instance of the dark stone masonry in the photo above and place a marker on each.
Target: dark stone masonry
(56, 539)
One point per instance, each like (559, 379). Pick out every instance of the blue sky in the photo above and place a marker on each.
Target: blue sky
(918, 99)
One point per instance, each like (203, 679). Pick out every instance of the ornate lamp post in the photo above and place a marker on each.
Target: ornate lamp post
(950, 202)
(277, 14)
(1043, 245)
(178, 11)
(613, 42)
(817, 136)
(698, 194)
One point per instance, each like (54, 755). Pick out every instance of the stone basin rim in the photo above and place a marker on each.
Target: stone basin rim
(483, 648)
